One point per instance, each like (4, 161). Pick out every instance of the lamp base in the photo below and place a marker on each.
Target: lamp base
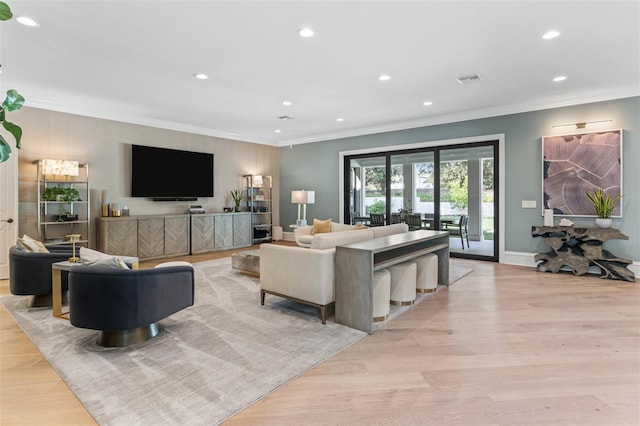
(301, 222)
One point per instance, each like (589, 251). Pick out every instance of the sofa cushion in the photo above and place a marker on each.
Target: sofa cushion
(321, 226)
(333, 239)
(28, 244)
(305, 239)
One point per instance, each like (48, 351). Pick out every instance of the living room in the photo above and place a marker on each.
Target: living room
(104, 142)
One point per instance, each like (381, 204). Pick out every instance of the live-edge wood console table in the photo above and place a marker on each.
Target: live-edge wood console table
(356, 263)
(579, 248)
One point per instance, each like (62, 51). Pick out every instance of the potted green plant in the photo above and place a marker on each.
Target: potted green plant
(13, 102)
(238, 196)
(603, 206)
(59, 193)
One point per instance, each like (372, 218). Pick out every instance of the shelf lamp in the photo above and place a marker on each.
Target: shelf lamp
(302, 198)
(60, 167)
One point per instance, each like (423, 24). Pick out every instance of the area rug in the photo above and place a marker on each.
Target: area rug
(208, 362)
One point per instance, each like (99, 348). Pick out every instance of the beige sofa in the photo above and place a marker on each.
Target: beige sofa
(304, 235)
(307, 275)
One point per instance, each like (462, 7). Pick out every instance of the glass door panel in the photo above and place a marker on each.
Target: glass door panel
(467, 199)
(367, 189)
(412, 187)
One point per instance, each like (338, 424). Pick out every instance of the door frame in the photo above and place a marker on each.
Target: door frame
(8, 209)
(499, 172)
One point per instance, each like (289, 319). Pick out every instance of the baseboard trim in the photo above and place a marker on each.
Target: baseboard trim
(527, 259)
(288, 236)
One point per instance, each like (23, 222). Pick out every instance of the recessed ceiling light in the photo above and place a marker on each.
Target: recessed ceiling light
(201, 76)
(550, 34)
(25, 20)
(287, 103)
(560, 78)
(340, 119)
(384, 77)
(285, 117)
(277, 130)
(427, 103)
(306, 32)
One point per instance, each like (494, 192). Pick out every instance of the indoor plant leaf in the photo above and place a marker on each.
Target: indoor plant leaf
(5, 150)
(5, 12)
(15, 130)
(13, 101)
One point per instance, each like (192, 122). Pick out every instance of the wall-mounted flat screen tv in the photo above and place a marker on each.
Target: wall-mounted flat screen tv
(170, 174)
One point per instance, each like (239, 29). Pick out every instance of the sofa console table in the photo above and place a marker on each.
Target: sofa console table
(356, 263)
(580, 248)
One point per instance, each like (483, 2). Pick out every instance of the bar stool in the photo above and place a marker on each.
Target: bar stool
(427, 273)
(403, 283)
(381, 294)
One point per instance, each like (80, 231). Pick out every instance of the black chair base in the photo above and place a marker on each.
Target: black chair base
(45, 300)
(121, 338)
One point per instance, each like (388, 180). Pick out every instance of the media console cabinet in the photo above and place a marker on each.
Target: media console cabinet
(356, 263)
(158, 236)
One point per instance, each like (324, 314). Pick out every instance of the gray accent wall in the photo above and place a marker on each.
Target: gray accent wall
(315, 166)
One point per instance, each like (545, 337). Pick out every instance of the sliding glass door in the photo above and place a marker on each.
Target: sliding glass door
(367, 190)
(467, 199)
(442, 188)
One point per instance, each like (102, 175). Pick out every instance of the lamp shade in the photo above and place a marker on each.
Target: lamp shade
(257, 181)
(303, 197)
(60, 167)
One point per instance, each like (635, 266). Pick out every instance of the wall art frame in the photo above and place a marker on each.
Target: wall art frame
(577, 163)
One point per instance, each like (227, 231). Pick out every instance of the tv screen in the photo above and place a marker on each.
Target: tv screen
(170, 174)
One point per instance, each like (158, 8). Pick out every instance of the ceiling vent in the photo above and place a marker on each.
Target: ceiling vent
(285, 117)
(466, 79)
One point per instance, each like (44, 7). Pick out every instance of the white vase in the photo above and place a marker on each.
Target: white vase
(603, 223)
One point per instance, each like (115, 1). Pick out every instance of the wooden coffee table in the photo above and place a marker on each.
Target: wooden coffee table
(247, 262)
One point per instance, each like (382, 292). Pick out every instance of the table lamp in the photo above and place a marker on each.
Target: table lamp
(302, 198)
(74, 238)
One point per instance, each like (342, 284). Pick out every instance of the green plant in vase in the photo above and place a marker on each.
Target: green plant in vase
(603, 206)
(238, 196)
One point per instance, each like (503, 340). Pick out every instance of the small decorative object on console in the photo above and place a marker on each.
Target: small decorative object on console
(196, 209)
(73, 238)
(565, 222)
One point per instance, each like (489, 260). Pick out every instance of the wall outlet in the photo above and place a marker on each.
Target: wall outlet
(528, 204)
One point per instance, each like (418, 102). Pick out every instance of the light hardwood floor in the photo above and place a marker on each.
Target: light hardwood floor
(504, 345)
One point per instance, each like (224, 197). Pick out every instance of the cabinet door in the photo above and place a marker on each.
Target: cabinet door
(150, 238)
(118, 237)
(224, 231)
(176, 235)
(201, 233)
(242, 230)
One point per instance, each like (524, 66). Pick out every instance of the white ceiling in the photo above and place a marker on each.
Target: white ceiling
(134, 61)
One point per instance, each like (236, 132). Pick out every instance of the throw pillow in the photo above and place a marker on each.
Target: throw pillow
(94, 257)
(321, 226)
(89, 256)
(111, 261)
(26, 243)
